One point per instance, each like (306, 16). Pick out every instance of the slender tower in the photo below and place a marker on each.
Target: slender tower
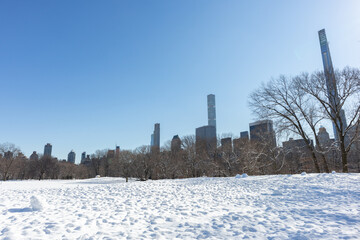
(330, 80)
(156, 137)
(211, 110)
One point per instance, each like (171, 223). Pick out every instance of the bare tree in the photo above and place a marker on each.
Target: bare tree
(191, 161)
(291, 109)
(97, 161)
(126, 159)
(44, 167)
(336, 99)
(143, 163)
(8, 155)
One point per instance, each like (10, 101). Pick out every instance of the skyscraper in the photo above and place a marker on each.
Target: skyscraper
(263, 131)
(331, 81)
(47, 149)
(206, 135)
(205, 138)
(83, 157)
(211, 110)
(71, 157)
(152, 140)
(155, 137)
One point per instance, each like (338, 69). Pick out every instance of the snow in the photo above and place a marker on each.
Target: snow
(37, 203)
(244, 175)
(319, 206)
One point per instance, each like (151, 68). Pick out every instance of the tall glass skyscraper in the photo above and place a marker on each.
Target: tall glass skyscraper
(155, 137)
(47, 149)
(211, 110)
(330, 80)
(71, 157)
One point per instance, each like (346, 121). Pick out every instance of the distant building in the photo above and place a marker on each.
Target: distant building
(263, 131)
(206, 138)
(152, 140)
(155, 137)
(87, 160)
(297, 143)
(34, 156)
(117, 152)
(71, 157)
(244, 134)
(110, 154)
(323, 136)
(83, 156)
(329, 149)
(47, 150)
(211, 110)
(175, 144)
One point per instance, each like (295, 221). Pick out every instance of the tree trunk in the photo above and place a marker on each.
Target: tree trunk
(343, 156)
(313, 155)
(325, 163)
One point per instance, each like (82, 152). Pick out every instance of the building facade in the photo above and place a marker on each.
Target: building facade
(83, 156)
(47, 150)
(211, 110)
(244, 134)
(263, 131)
(205, 138)
(71, 157)
(155, 137)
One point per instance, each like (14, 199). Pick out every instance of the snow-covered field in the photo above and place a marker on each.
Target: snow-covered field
(312, 206)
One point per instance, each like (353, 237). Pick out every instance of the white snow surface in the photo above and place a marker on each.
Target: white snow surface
(315, 206)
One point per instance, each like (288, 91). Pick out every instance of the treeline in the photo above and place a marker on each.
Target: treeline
(251, 157)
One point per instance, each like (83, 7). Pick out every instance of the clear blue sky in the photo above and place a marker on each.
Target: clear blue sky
(86, 75)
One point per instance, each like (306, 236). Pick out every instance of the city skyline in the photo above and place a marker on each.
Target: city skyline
(119, 67)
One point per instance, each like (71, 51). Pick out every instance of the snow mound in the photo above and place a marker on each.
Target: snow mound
(333, 172)
(303, 173)
(244, 175)
(37, 203)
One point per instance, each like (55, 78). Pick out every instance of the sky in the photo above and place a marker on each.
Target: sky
(88, 75)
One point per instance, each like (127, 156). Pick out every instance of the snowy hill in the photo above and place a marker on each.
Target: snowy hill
(312, 206)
